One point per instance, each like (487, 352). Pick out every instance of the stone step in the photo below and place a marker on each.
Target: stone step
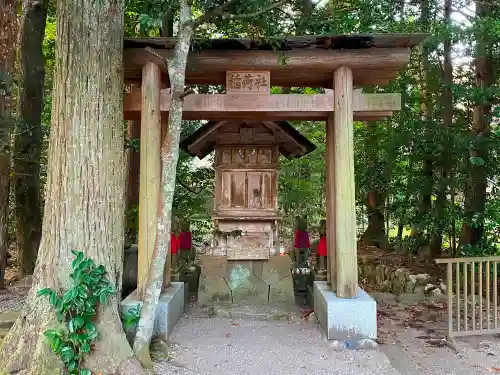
(8, 318)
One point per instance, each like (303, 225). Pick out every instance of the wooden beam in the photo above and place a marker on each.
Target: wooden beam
(346, 271)
(269, 107)
(299, 67)
(150, 170)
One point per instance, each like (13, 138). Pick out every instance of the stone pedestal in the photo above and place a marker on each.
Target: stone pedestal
(246, 282)
(168, 312)
(345, 319)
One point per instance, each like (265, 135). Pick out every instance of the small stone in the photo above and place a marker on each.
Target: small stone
(442, 286)
(436, 292)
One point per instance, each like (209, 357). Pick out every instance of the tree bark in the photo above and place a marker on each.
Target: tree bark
(85, 188)
(374, 235)
(169, 157)
(28, 136)
(445, 161)
(133, 161)
(418, 228)
(8, 36)
(475, 200)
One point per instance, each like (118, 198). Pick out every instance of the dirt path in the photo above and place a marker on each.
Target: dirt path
(214, 346)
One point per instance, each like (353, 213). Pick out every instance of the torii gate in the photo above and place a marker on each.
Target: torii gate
(248, 69)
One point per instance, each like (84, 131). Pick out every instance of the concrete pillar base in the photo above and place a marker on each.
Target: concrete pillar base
(345, 319)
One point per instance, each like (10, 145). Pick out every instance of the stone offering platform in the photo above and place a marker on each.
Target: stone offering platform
(245, 282)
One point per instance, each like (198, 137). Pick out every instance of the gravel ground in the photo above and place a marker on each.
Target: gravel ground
(213, 346)
(411, 355)
(12, 297)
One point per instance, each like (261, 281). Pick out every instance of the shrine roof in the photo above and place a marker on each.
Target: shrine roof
(292, 60)
(292, 144)
(286, 43)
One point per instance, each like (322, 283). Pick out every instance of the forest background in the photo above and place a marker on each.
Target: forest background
(427, 179)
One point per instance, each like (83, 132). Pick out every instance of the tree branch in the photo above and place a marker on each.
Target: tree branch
(157, 55)
(228, 16)
(214, 12)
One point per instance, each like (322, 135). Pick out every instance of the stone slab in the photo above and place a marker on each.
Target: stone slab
(168, 312)
(245, 281)
(8, 318)
(345, 319)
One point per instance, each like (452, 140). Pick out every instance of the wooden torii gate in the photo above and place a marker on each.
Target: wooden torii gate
(248, 68)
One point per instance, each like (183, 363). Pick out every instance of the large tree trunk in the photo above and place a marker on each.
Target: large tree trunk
(425, 205)
(28, 136)
(85, 188)
(169, 157)
(374, 235)
(445, 161)
(475, 200)
(8, 36)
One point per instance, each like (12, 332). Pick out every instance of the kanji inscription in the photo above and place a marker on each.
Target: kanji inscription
(248, 82)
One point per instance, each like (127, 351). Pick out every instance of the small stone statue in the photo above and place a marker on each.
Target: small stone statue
(185, 242)
(301, 243)
(322, 252)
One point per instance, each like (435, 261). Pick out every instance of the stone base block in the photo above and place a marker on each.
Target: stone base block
(168, 312)
(245, 282)
(345, 319)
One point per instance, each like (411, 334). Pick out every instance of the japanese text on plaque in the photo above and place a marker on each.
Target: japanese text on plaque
(257, 82)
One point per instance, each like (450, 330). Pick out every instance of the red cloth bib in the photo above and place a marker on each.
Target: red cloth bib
(174, 244)
(322, 249)
(301, 239)
(185, 240)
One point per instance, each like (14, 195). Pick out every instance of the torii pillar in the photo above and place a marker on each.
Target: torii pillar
(343, 309)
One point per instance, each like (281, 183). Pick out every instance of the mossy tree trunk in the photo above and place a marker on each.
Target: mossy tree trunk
(85, 187)
(28, 135)
(8, 36)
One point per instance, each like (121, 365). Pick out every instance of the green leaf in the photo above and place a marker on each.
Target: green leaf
(56, 343)
(85, 372)
(51, 334)
(85, 348)
(103, 299)
(89, 326)
(67, 354)
(477, 160)
(53, 299)
(68, 296)
(78, 322)
(78, 259)
(44, 292)
(72, 366)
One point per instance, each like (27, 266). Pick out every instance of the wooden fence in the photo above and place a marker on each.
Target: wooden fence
(472, 287)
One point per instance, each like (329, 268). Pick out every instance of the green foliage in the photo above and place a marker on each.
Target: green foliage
(131, 317)
(77, 309)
